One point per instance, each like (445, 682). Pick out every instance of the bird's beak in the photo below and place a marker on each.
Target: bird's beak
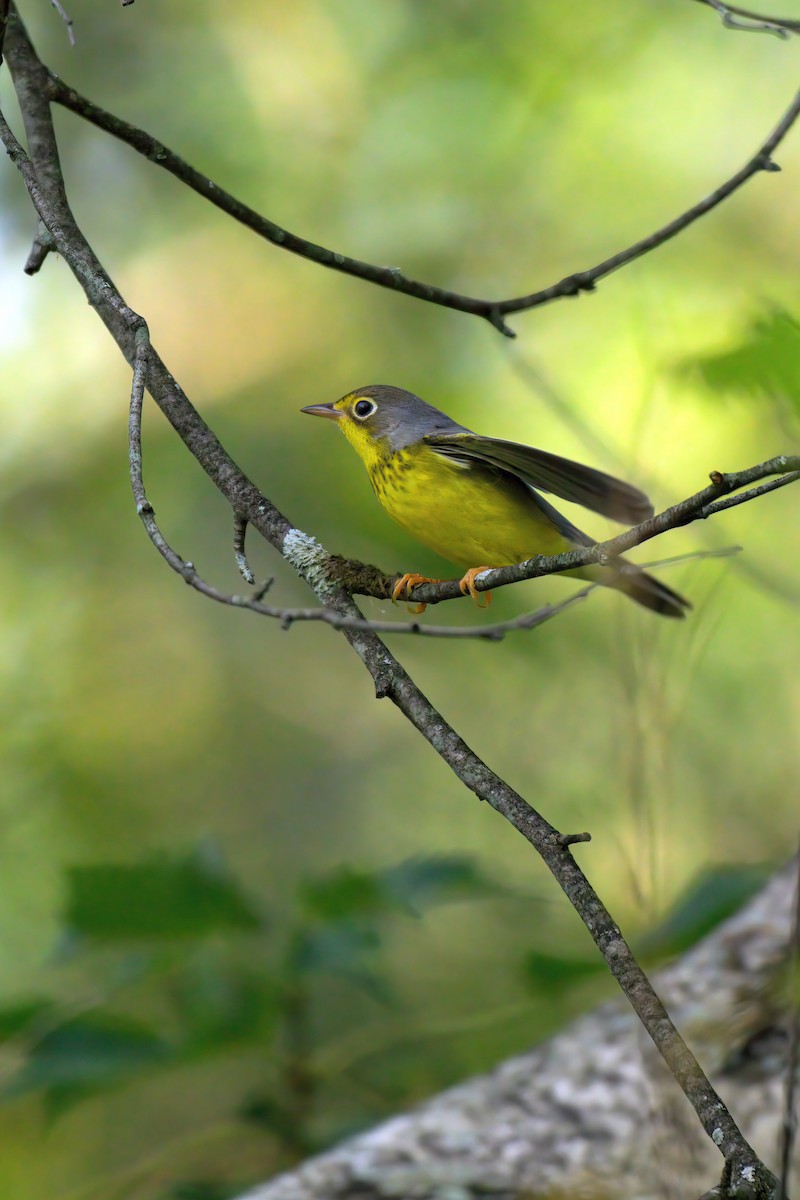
(324, 410)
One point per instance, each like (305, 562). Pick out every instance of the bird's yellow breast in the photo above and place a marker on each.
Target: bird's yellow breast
(470, 515)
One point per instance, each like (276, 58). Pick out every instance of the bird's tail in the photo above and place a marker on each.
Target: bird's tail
(652, 593)
(643, 588)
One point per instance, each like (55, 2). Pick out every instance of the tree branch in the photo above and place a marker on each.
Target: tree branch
(493, 311)
(752, 22)
(66, 18)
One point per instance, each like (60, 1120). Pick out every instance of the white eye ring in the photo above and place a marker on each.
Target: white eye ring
(363, 409)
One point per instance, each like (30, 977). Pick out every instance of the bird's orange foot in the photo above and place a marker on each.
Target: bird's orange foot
(402, 589)
(467, 586)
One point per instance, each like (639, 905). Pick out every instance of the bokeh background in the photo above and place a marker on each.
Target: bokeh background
(244, 908)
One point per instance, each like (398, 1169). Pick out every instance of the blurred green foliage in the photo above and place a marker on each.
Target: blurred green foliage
(711, 896)
(489, 148)
(765, 363)
(181, 928)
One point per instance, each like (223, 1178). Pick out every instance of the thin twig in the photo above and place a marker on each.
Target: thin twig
(43, 243)
(748, 25)
(753, 22)
(789, 1123)
(392, 277)
(750, 494)
(66, 19)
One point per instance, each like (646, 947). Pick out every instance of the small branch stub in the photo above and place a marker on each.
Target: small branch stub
(570, 839)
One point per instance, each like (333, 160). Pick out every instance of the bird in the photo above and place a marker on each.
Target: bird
(477, 500)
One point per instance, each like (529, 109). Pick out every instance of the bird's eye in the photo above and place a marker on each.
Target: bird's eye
(364, 408)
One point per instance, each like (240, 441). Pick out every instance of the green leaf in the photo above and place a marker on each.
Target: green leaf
(346, 950)
(419, 882)
(765, 363)
(16, 1018)
(87, 1054)
(339, 949)
(269, 1114)
(413, 884)
(204, 1189)
(555, 972)
(159, 898)
(345, 894)
(713, 895)
(219, 1005)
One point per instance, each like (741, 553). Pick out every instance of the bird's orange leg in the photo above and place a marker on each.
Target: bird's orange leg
(467, 586)
(402, 589)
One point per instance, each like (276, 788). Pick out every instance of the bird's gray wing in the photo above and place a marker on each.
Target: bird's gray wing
(562, 477)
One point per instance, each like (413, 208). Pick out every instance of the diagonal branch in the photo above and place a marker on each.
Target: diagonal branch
(493, 311)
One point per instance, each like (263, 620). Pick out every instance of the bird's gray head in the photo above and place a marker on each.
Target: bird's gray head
(384, 414)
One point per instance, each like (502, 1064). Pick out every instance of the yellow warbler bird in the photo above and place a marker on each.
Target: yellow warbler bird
(475, 500)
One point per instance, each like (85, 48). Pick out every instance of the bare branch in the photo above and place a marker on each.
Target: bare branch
(66, 19)
(493, 311)
(43, 243)
(753, 22)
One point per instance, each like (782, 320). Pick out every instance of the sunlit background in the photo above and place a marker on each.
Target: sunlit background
(357, 930)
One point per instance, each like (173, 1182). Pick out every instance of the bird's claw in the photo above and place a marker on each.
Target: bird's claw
(402, 589)
(467, 586)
